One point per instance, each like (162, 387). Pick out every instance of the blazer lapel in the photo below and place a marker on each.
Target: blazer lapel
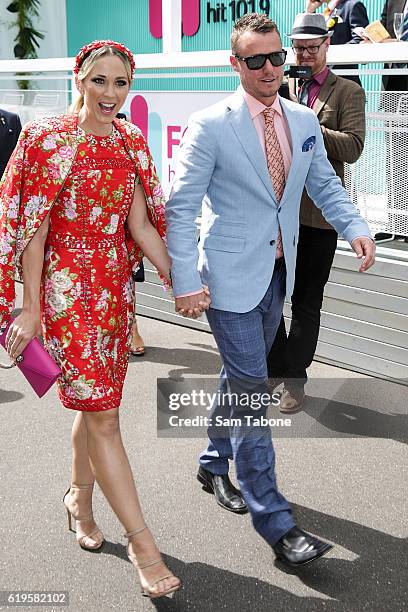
(246, 133)
(325, 91)
(293, 124)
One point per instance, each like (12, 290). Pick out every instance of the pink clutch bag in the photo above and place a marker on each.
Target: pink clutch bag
(38, 367)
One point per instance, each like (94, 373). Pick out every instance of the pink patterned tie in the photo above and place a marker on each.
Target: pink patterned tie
(276, 167)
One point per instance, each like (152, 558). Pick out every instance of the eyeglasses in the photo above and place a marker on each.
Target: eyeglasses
(256, 62)
(312, 50)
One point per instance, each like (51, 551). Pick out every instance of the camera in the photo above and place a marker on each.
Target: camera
(299, 72)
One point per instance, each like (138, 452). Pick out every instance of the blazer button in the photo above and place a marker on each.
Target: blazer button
(272, 242)
(279, 209)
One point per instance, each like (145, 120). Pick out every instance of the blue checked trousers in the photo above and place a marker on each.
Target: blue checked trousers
(244, 341)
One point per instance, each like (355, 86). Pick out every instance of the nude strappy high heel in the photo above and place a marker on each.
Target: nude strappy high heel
(81, 539)
(137, 347)
(148, 591)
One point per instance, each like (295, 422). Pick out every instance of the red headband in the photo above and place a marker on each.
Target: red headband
(97, 44)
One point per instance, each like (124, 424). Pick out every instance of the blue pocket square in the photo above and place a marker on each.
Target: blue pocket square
(309, 144)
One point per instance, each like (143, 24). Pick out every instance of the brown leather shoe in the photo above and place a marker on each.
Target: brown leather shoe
(292, 400)
(274, 383)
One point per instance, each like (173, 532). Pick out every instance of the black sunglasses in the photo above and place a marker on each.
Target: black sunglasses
(255, 62)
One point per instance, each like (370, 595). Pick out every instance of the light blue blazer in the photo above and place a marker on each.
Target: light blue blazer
(222, 171)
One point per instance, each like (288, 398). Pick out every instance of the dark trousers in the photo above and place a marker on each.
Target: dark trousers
(292, 354)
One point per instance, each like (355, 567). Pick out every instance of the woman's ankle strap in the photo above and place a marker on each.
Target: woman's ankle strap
(82, 486)
(134, 532)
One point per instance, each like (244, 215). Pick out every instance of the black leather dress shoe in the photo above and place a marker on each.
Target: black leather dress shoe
(297, 547)
(226, 495)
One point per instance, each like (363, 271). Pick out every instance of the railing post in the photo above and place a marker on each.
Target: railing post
(171, 26)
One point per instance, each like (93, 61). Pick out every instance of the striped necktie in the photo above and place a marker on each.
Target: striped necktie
(275, 163)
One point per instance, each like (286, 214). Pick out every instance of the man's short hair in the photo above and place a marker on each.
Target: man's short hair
(251, 22)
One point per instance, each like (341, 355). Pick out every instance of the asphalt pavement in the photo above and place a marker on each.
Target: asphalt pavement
(344, 471)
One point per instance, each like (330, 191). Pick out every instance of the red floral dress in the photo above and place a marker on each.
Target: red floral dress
(87, 290)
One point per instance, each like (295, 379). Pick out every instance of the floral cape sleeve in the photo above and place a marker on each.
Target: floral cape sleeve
(33, 179)
(10, 187)
(30, 185)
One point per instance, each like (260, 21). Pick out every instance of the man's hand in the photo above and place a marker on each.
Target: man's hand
(364, 248)
(193, 306)
(312, 5)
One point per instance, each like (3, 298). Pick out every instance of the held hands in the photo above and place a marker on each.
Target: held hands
(21, 331)
(364, 248)
(193, 306)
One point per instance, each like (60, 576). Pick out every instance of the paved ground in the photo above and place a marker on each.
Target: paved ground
(347, 483)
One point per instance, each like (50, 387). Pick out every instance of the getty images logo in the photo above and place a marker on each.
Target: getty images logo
(190, 17)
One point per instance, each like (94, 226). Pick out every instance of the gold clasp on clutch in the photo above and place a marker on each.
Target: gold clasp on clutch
(8, 366)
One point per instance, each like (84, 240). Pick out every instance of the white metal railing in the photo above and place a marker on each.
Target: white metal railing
(338, 54)
(377, 183)
(32, 104)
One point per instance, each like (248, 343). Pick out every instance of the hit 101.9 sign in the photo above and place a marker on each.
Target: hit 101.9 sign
(230, 11)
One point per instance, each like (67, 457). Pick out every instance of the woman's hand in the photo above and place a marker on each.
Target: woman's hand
(24, 327)
(312, 5)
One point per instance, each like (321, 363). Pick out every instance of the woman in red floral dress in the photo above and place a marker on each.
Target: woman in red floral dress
(80, 203)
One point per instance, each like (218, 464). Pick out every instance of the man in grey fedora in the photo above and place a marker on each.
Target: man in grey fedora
(340, 108)
(309, 26)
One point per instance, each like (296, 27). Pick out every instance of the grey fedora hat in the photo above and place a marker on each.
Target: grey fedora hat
(309, 25)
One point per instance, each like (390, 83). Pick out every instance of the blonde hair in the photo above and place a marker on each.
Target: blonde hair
(90, 61)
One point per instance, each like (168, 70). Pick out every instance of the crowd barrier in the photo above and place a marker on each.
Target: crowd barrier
(378, 181)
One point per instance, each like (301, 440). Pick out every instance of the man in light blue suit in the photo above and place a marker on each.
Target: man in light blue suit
(245, 162)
